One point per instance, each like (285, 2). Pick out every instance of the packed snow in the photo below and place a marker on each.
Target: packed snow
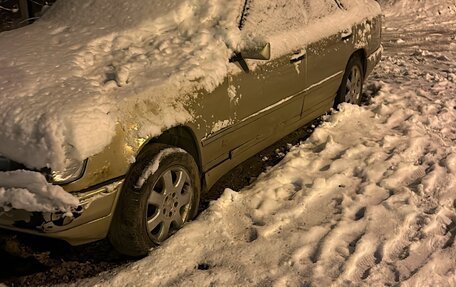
(368, 200)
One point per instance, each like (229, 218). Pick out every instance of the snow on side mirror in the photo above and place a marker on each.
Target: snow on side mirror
(259, 52)
(262, 52)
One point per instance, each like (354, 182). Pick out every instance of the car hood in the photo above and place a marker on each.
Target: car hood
(65, 79)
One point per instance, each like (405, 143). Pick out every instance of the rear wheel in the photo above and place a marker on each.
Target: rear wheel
(351, 88)
(161, 193)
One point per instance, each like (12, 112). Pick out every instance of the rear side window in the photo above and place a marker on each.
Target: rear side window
(318, 9)
(271, 17)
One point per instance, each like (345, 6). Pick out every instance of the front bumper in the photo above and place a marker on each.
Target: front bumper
(373, 60)
(91, 223)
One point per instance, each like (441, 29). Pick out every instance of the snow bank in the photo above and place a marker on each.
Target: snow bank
(30, 191)
(67, 80)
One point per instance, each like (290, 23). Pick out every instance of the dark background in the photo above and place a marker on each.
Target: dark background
(24, 12)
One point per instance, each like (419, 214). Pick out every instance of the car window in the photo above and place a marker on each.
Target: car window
(318, 9)
(271, 17)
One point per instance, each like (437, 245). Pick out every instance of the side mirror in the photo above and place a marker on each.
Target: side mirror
(262, 52)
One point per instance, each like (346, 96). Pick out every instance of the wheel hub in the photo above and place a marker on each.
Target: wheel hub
(170, 205)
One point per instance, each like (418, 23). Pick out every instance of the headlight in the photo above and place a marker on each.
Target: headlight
(74, 171)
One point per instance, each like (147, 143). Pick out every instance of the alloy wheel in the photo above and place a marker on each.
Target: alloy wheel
(169, 203)
(354, 86)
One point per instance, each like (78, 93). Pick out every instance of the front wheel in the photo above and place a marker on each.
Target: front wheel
(161, 193)
(351, 88)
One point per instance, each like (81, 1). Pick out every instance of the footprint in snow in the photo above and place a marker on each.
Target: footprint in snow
(360, 213)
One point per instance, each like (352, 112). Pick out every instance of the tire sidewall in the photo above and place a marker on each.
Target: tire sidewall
(354, 61)
(129, 220)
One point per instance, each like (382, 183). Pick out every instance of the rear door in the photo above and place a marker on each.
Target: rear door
(327, 56)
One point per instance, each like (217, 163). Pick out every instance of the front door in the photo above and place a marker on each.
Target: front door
(255, 104)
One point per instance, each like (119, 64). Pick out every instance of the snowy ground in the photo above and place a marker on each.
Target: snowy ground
(368, 200)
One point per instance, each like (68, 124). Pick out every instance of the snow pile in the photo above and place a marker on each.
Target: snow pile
(30, 191)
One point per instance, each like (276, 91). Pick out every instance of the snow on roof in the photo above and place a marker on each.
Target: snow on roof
(65, 79)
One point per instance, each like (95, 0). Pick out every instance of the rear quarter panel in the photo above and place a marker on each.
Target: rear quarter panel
(367, 34)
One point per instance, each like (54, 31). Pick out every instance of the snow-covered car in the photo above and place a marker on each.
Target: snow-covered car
(116, 116)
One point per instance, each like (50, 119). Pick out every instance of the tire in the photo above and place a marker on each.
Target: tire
(351, 87)
(148, 214)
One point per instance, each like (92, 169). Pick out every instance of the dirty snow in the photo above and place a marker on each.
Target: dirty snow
(368, 200)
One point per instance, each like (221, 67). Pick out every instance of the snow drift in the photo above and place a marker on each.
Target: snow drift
(366, 201)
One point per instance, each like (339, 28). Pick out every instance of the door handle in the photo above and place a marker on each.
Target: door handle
(347, 34)
(299, 55)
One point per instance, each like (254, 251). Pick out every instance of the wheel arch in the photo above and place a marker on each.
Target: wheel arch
(182, 137)
(362, 54)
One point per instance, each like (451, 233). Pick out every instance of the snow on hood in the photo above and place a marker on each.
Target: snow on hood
(65, 79)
